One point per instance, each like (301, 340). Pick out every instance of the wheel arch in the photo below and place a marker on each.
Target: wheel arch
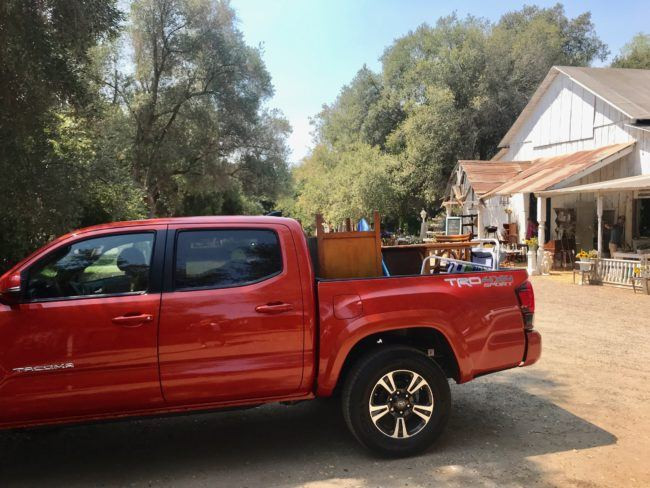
(429, 340)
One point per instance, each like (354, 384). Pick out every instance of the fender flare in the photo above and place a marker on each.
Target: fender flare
(336, 347)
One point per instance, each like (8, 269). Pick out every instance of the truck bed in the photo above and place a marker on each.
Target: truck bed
(477, 313)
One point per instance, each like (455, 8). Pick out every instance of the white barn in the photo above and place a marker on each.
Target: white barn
(583, 144)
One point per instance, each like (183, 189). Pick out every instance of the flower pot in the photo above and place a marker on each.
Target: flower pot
(585, 265)
(532, 263)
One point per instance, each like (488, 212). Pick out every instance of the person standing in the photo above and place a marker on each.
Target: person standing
(531, 228)
(616, 235)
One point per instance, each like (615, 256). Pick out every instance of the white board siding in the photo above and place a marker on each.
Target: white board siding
(493, 213)
(564, 120)
(602, 136)
(565, 113)
(606, 114)
(642, 153)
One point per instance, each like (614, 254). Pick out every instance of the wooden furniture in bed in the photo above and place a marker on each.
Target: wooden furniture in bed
(348, 254)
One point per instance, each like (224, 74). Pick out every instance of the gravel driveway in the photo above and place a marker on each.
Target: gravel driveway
(580, 417)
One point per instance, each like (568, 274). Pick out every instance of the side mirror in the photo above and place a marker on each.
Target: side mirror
(10, 289)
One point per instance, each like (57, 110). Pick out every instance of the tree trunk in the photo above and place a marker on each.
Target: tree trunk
(151, 204)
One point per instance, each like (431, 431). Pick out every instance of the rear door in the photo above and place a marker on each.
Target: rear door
(232, 314)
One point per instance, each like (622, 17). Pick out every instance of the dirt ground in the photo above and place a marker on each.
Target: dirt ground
(580, 417)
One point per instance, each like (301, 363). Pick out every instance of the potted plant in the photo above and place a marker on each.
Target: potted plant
(586, 259)
(531, 255)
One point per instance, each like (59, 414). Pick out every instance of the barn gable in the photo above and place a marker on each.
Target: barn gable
(576, 109)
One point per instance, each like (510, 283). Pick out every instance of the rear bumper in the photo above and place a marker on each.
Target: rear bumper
(533, 348)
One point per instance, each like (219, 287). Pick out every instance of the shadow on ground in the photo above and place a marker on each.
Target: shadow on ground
(494, 429)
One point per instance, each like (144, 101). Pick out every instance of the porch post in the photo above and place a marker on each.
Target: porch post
(599, 214)
(629, 218)
(541, 218)
(541, 230)
(479, 219)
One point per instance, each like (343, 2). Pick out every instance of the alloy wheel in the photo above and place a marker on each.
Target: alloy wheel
(401, 404)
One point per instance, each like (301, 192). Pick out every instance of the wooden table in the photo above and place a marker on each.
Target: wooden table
(511, 254)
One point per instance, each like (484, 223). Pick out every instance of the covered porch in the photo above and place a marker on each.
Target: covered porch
(567, 219)
(627, 263)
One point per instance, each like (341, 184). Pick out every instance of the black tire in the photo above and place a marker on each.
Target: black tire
(362, 382)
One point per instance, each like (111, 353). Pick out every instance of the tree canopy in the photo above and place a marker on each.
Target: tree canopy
(194, 101)
(445, 92)
(635, 54)
(109, 115)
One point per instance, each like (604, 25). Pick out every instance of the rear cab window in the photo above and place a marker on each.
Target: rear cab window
(222, 258)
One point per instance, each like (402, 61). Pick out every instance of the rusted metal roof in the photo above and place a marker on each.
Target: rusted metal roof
(627, 90)
(484, 176)
(556, 171)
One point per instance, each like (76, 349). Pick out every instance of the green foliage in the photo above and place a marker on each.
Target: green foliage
(445, 93)
(360, 113)
(344, 184)
(44, 156)
(635, 54)
(98, 123)
(194, 102)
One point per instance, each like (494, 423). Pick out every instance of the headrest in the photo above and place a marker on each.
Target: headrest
(130, 259)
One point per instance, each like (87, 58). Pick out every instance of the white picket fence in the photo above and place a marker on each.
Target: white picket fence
(615, 271)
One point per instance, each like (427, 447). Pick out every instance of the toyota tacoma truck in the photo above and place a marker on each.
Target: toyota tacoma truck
(176, 315)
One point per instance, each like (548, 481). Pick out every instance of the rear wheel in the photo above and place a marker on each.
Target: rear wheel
(396, 401)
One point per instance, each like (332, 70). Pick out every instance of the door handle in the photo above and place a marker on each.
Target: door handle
(132, 320)
(275, 307)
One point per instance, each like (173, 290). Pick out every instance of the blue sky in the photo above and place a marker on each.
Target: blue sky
(313, 47)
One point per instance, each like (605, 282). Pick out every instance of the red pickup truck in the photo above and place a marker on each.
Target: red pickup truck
(186, 314)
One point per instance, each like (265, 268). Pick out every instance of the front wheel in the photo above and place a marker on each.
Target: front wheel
(396, 401)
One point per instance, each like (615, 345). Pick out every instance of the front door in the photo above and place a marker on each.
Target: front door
(84, 339)
(232, 320)
(585, 225)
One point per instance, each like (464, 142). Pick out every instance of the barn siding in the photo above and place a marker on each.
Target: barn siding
(593, 123)
(569, 118)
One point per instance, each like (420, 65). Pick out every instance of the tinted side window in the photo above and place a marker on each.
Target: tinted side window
(102, 266)
(223, 258)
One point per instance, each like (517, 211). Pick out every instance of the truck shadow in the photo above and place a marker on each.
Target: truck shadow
(494, 425)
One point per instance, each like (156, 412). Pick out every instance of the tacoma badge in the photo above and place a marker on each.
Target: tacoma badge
(44, 367)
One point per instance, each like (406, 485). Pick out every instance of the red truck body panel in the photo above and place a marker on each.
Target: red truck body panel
(68, 360)
(486, 336)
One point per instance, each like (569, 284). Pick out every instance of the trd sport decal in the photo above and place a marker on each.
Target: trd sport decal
(485, 281)
(44, 367)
